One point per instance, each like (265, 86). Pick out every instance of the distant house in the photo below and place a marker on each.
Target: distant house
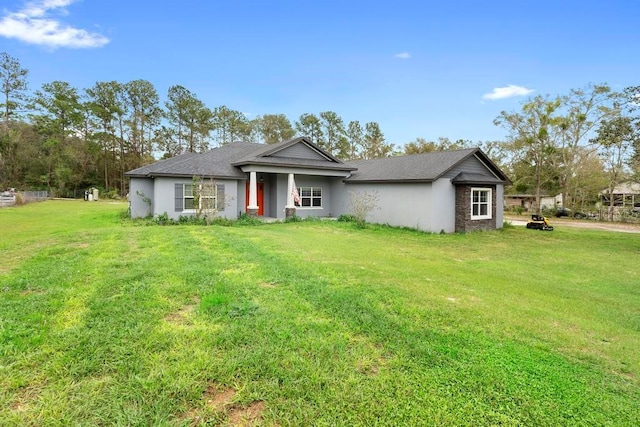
(528, 201)
(626, 195)
(450, 191)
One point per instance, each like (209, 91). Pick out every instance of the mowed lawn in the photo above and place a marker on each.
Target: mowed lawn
(106, 321)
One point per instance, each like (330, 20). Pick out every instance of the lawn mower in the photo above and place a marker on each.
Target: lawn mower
(539, 222)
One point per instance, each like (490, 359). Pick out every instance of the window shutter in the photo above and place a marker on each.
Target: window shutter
(220, 197)
(179, 197)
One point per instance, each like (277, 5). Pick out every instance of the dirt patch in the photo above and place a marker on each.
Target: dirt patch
(268, 285)
(246, 416)
(28, 292)
(217, 404)
(24, 398)
(184, 313)
(217, 399)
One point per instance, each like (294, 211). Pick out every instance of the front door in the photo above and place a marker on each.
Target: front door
(260, 194)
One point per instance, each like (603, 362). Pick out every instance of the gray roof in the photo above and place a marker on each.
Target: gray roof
(425, 167)
(264, 156)
(223, 162)
(216, 163)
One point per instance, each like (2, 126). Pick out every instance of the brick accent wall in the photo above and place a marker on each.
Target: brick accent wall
(464, 223)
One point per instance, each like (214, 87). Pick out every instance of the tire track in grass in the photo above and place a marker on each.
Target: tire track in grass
(529, 385)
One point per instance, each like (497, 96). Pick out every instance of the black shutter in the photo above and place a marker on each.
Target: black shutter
(179, 197)
(220, 197)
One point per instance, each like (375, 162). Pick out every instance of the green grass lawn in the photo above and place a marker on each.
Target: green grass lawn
(108, 321)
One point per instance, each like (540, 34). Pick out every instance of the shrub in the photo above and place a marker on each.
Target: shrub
(245, 219)
(163, 219)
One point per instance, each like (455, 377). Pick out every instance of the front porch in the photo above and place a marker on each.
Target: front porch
(277, 196)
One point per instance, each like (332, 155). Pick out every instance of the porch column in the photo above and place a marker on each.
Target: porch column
(252, 208)
(290, 208)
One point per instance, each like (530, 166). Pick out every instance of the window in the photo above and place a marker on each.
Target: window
(205, 197)
(310, 197)
(480, 203)
(188, 197)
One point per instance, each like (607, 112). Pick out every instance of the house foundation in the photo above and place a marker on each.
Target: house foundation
(289, 212)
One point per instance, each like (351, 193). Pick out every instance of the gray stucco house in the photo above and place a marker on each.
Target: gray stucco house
(450, 191)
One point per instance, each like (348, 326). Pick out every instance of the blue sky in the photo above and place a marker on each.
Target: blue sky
(418, 68)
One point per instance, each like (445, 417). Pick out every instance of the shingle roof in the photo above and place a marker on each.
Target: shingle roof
(415, 167)
(216, 162)
(423, 167)
(223, 162)
(475, 178)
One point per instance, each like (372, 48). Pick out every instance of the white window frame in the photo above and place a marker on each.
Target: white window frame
(488, 203)
(212, 197)
(311, 197)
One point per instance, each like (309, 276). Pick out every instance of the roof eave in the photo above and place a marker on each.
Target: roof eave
(387, 181)
(340, 167)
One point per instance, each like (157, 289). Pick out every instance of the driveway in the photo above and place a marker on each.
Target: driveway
(593, 225)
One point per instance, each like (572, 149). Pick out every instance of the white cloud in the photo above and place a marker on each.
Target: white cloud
(402, 55)
(507, 92)
(33, 24)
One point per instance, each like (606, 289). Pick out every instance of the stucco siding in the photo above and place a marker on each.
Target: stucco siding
(311, 181)
(443, 206)
(398, 204)
(499, 206)
(141, 197)
(164, 192)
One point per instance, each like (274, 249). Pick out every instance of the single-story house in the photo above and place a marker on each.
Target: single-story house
(450, 191)
(625, 195)
(528, 201)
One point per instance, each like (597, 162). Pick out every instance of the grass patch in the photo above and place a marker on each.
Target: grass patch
(312, 323)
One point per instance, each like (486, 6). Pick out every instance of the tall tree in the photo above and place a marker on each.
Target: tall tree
(632, 106)
(231, 126)
(274, 128)
(374, 142)
(144, 118)
(60, 120)
(190, 120)
(355, 137)
(309, 125)
(532, 133)
(107, 104)
(581, 112)
(13, 79)
(335, 140)
(616, 137)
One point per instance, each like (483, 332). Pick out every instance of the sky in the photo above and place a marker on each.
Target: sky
(418, 68)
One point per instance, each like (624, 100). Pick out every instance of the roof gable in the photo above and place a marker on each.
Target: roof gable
(296, 148)
(225, 161)
(427, 167)
(297, 152)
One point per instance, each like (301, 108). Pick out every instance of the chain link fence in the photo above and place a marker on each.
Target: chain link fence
(11, 198)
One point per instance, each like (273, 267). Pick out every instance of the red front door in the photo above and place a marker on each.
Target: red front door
(260, 197)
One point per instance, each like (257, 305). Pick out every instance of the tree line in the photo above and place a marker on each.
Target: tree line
(577, 144)
(63, 139)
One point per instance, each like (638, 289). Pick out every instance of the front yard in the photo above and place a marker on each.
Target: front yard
(108, 321)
